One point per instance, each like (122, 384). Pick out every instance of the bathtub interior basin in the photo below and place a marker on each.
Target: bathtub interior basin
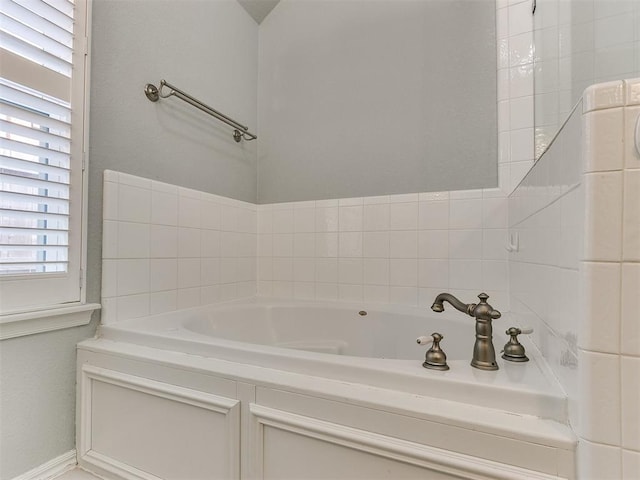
(365, 344)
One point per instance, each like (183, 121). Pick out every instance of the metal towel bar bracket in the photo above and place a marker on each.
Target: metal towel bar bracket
(154, 94)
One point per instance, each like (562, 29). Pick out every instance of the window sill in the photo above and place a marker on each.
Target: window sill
(29, 323)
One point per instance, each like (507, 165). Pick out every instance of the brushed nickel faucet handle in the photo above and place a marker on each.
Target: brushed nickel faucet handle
(485, 311)
(513, 349)
(435, 358)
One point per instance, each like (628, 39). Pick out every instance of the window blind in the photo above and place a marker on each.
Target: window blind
(35, 141)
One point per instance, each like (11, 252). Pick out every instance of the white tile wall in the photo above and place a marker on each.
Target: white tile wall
(554, 208)
(580, 43)
(390, 249)
(166, 248)
(514, 27)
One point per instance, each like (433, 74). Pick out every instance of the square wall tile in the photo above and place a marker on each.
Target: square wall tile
(376, 244)
(403, 216)
(465, 214)
(495, 275)
(599, 384)
(434, 215)
(603, 136)
(189, 272)
(161, 302)
(630, 318)
(326, 291)
(188, 298)
(630, 464)
(211, 215)
(433, 274)
(327, 244)
(282, 270)
(403, 244)
(327, 219)
(304, 269)
(350, 271)
(350, 293)
(351, 218)
(304, 244)
(134, 204)
(304, 290)
(376, 217)
(433, 244)
(376, 271)
(109, 278)
(631, 216)
(630, 402)
(110, 201)
(600, 330)
(598, 462)
(188, 211)
(631, 153)
(133, 306)
(164, 208)
(110, 239)
(376, 293)
(465, 244)
(326, 270)
(495, 213)
(304, 220)
(283, 221)
(603, 216)
(403, 273)
(403, 296)
(350, 244)
(163, 274)
(133, 240)
(465, 274)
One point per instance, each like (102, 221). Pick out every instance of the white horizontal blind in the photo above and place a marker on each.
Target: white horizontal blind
(39, 201)
(35, 133)
(40, 31)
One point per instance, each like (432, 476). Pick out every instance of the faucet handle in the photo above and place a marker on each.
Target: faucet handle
(484, 310)
(513, 350)
(435, 358)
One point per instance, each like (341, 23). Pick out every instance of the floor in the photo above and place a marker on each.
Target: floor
(77, 474)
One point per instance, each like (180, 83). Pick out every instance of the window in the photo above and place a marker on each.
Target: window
(42, 143)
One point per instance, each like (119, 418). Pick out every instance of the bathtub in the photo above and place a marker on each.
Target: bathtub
(372, 345)
(268, 388)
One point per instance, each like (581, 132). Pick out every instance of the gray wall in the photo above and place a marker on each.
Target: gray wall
(208, 49)
(376, 97)
(37, 398)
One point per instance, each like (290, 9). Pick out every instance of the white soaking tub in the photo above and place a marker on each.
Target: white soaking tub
(296, 361)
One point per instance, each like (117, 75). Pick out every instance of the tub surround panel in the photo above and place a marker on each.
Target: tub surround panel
(402, 249)
(591, 348)
(347, 416)
(167, 247)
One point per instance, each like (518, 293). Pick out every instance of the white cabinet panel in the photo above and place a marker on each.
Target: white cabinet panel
(290, 455)
(141, 428)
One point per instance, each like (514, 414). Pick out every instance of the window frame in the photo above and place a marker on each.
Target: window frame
(34, 300)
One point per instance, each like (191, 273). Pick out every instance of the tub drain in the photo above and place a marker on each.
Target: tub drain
(362, 313)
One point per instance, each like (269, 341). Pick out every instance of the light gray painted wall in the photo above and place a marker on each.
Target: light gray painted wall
(37, 398)
(376, 97)
(208, 49)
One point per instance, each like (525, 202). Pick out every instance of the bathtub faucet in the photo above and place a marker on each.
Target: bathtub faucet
(484, 355)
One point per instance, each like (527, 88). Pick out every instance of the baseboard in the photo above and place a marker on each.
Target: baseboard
(52, 468)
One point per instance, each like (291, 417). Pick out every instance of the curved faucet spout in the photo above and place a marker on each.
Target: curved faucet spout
(438, 304)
